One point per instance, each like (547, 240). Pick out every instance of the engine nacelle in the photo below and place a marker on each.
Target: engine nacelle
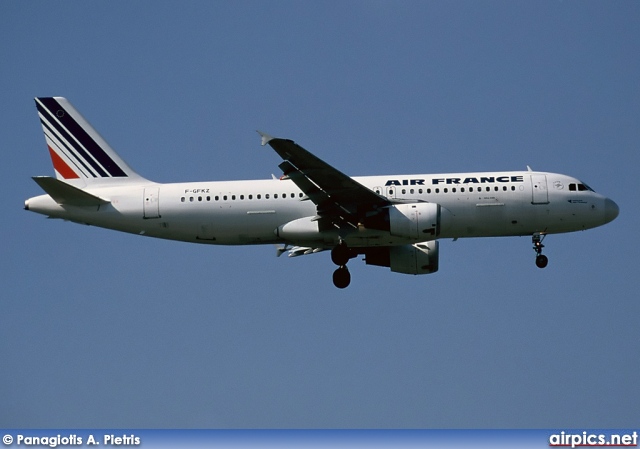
(419, 258)
(416, 221)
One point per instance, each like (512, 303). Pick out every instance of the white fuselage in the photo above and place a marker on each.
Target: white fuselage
(250, 212)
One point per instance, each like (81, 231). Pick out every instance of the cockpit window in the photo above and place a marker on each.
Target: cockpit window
(581, 187)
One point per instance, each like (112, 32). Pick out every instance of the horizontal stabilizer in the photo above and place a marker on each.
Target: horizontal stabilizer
(66, 194)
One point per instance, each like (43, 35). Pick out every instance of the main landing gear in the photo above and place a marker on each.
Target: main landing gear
(541, 259)
(340, 255)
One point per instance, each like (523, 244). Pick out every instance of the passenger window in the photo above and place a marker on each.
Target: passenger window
(470, 189)
(462, 189)
(199, 198)
(446, 190)
(275, 195)
(437, 190)
(453, 190)
(217, 198)
(191, 199)
(233, 197)
(513, 187)
(182, 199)
(259, 196)
(250, 197)
(208, 198)
(266, 196)
(428, 190)
(241, 197)
(420, 191)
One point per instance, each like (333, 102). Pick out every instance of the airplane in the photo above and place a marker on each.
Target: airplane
(394, 221)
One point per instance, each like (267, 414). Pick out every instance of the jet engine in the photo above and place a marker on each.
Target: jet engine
(416, 221)
(419, 258)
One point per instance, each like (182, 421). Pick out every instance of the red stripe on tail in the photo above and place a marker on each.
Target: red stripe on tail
(61, 166)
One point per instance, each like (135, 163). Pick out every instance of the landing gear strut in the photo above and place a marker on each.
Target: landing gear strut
(340, 255)
(541, 259)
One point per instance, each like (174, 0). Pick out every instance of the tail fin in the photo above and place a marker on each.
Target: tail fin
(80, 156)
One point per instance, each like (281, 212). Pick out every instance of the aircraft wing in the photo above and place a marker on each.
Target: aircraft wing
(340, 200)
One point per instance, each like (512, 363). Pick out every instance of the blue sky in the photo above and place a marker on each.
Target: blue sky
(101, 329)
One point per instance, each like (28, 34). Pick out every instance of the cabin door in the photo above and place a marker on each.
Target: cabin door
(539, 189)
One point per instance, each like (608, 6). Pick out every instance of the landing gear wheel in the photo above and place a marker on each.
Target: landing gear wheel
(340, 254)
(342, 277)
(542, 261)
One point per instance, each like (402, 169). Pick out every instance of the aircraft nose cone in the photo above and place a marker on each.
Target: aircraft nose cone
(611, 210)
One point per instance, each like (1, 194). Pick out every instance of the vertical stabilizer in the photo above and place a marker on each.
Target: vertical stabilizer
(80, 156)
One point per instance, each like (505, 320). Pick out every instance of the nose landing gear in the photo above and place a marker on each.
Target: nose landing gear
(541, 259)
(340, 255)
